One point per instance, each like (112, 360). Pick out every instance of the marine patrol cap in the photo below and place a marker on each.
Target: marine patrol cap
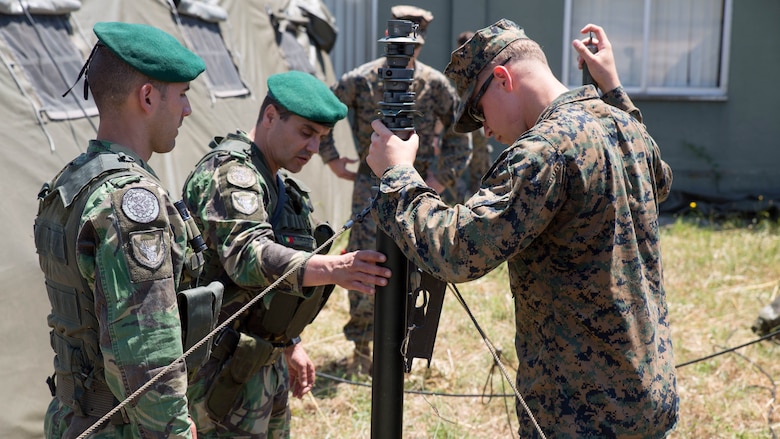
(151, 51)
(302, 94)
(416, 15)
(468, 61)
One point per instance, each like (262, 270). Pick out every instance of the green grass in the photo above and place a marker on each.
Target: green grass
(718, 274)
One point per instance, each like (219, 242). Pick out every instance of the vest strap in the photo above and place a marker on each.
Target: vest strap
(94, 401)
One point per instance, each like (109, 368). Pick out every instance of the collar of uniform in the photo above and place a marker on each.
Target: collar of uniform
(240, 135)
(106, 147)
(261, 164)
(256, 156)
(583, 93)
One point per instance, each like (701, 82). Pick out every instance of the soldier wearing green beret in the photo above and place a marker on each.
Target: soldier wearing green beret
(112, 246)
(571, 205)
(258, 223)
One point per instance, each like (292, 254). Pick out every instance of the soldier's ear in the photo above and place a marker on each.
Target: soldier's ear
(144, 96)
(503, 77)
(269, 115)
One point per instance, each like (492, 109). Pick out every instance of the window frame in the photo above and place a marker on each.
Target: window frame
(31, 58)
(716, 93)
(218, 76)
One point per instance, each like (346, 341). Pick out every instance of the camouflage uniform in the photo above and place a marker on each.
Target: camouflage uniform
(228, 194)
(572, 208)
(131, 252)
(480, 162)
(361, 90)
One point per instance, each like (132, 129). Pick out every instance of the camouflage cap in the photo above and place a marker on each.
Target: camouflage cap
(414, 14)
(303, 94)
(151, 51)
(468, 61)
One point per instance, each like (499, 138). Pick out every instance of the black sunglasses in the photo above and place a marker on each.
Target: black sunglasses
(475, 112)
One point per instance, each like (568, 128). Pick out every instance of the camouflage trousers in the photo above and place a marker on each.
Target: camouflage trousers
(61, 422)
(260, 411)
(362, 236)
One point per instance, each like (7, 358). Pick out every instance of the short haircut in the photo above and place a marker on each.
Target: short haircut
(521, 49)
(270, 100)
(111, 80)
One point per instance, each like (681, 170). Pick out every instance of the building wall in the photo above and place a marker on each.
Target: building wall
(717, 149)
(730, 147)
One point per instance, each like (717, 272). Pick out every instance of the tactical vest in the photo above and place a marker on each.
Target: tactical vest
(283, 318)
(78, 363)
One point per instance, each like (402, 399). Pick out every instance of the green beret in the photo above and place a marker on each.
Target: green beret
(302, 94)
(151, 51)
(468, 61)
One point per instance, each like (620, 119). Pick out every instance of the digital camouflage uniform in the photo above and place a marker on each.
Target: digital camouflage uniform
(361, 90)
(480, 162)
(131, 250)
(229, 195)
(572, 207)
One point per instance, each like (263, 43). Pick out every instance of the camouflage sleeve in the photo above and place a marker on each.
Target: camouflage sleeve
(455, 147)
(663, 172)
(328, 151)
(465, 242)
(131, 258)
(228, 200)
(345, 90)
(619, 98)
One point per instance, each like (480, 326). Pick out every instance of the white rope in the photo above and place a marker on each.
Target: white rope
(497, 359)
(208, 336)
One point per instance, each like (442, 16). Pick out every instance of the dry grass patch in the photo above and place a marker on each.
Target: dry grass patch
(717, 278)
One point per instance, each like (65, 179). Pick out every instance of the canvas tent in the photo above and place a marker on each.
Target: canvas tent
(42, 47)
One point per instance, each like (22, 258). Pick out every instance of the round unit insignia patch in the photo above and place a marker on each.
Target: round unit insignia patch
(241, 176)
(140, 205)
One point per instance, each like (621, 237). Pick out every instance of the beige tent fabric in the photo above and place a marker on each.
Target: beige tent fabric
(208, 10)
(40, 6)
(27, 162)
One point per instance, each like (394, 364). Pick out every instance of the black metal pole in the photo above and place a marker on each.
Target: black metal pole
(397, 108)
(387, 388)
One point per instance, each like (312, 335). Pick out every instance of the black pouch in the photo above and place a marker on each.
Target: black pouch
(199, 310)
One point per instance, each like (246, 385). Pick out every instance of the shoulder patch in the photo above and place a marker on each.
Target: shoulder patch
(245, 202)
(148, 247)
(241, 176)
(140, 205)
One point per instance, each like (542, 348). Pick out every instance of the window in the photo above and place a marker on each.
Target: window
(207, 42)
(664, 48)
(40, 49)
